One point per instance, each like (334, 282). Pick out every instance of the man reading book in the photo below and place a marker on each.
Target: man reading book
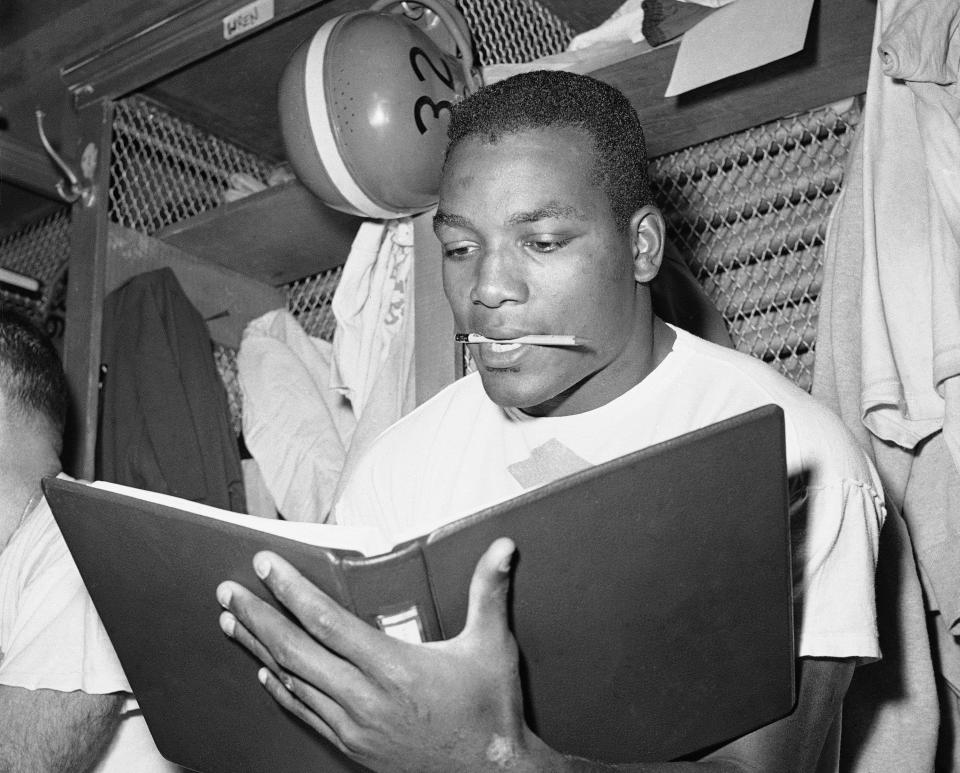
(548, 228)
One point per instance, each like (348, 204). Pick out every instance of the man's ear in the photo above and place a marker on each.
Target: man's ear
(647, 236)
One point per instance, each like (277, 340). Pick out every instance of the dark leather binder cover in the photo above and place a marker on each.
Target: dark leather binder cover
(651, 601)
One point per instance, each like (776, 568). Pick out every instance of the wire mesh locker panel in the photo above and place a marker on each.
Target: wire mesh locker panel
(39, 252)
(514, 31)
(310, 299)
(749, 213)
(164, 169)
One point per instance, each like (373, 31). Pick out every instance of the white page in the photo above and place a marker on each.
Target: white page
(368, 541)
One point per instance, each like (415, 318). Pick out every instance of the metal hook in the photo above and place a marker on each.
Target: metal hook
(77, 190)
(414, 13)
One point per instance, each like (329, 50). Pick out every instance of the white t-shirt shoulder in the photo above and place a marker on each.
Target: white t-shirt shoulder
(44, 605)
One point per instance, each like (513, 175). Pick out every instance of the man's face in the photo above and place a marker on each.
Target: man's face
(530, 246)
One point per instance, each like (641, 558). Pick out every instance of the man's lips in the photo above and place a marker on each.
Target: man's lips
(500, 355)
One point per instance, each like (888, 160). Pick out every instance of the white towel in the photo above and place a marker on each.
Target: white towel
(373, 345)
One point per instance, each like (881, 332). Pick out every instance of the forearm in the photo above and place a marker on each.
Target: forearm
(47, 731)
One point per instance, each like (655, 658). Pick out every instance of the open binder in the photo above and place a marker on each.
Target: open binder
(651, 602)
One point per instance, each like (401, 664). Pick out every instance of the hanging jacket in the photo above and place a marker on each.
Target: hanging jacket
(164, 419)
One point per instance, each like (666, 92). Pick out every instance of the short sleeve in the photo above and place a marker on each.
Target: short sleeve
(835, 542)
(52, 636)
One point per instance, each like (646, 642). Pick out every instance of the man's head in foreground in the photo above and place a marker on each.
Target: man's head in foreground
(547, 227)
(33, 407)
(33, 389)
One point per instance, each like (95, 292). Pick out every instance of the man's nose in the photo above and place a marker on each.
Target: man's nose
(498, 279)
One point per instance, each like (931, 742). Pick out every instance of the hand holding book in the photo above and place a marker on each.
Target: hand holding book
(389, 704)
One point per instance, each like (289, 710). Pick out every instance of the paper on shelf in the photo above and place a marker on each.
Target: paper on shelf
(738, 37)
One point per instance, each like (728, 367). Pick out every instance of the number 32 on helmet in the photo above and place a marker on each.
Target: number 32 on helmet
(364, 101)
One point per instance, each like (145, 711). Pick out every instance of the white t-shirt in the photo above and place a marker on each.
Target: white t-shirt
(460, 452)
(51, 637)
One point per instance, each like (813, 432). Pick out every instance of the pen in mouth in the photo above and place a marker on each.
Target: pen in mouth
(539, 340)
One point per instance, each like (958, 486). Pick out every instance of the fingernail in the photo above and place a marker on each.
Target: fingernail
(507, 562)
(228, 623)
(261, 566)
(224, 595)
(262, 675)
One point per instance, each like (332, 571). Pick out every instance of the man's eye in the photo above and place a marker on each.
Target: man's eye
(457, 250)
(547, 245)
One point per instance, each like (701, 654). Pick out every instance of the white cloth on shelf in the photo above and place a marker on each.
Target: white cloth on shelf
(296, 427)
(259, 499)
(310, 408)
(624, 24)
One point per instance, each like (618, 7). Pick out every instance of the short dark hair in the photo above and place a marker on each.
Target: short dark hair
(546, 98)
(31, 373)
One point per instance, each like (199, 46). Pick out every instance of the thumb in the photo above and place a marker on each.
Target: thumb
(489, 591)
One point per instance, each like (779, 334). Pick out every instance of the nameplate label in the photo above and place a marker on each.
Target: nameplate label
(247, 18)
